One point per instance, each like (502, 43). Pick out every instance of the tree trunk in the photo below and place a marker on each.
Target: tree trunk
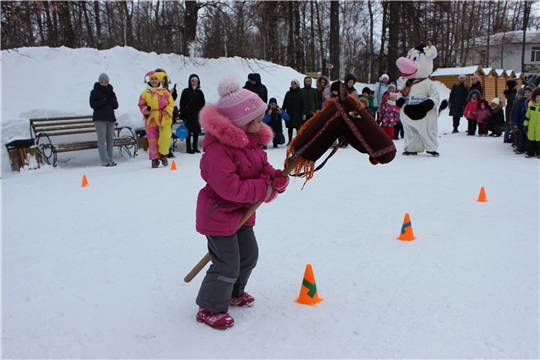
(335, 72)
(190, 25)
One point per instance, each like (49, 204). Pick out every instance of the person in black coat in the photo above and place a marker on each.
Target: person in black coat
(191, 103)
(293, 104)
(103, 100)
(457, 101)
(476, 85)
(510, 95)
(254, 84)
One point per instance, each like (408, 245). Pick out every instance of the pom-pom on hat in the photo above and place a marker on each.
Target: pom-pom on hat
(159, 74)
(103, 77)
(239, 105)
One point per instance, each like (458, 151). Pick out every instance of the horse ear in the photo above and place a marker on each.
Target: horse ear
(431, 51)
(343, 92)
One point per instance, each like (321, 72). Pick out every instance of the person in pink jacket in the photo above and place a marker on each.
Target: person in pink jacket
(237, 175)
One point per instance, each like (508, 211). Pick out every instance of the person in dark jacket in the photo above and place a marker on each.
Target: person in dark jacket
(519, 119)
(274, 117)
(350, 80)
(191, 103)
(476, 85)
(510, 95)
(311, 98)
(457, 100)
(255, 85)
(293, 104)
(496, 123)
(103, 101)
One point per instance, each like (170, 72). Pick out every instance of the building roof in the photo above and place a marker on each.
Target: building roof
(509, 37)
(467, 70)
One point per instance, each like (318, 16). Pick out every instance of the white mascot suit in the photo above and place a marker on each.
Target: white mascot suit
(418, 101)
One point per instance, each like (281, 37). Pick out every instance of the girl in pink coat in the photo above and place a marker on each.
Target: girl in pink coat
(237, 175)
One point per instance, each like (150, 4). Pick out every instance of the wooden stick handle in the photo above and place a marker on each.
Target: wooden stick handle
(206, 258)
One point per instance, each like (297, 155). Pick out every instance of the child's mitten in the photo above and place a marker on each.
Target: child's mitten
(280, 183)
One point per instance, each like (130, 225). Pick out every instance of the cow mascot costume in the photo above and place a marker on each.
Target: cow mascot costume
(418, 101)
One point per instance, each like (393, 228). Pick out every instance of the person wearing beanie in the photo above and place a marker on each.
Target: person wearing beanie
(191, 102)
(254, 84)
(350, 80)
(380, 89)
(510, 95)
(476, 85)
(311, 98)
(103, 100)
(496, 122)
(531, 125)
(157, 106)
(237, 174)
(273, 117)
(457, 101)
(293, 104)
(483, 116)
(390, 114)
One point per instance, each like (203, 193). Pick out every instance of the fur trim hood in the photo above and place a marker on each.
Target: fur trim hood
(320, 87)
(536, 91)
(226, 133)
(469, 97)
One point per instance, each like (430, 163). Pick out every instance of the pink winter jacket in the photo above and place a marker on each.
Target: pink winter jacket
(236, 171)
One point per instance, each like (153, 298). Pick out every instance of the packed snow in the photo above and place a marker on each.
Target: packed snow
(97, 272)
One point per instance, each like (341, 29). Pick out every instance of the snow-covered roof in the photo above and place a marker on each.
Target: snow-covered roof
(509, 72)
(499, 72)
(467, 70)
(486, 71)
(510, 37)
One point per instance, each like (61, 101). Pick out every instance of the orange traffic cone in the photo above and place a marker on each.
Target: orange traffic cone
(173, 165)
(84, 181)
(308, 290)
(406, 229)
(482, 195)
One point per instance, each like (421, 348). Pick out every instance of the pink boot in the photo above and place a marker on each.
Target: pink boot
(244, 300)
(215, 320)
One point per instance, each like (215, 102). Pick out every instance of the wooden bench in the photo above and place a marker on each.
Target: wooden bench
(43, 129)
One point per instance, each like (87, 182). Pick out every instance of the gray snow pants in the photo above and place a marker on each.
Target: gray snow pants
(233, 258)
(105, 139)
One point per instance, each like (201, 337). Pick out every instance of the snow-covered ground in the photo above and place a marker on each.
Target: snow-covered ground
(97, 272)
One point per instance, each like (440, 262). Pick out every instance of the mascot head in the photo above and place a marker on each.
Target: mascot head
(418, 63)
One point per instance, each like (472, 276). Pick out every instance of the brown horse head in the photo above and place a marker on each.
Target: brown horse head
(342, 116)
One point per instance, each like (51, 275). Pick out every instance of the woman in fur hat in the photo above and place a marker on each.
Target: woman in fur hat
(457, 101)
(293, 104)
(157, 106)
(237, 174)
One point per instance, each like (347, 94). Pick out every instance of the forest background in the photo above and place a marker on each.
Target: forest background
(336, 37)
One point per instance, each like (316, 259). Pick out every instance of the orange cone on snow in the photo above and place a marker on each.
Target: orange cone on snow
(173, 165)
(84, 181)
(308, 290)
(406, 233)
(482, 195)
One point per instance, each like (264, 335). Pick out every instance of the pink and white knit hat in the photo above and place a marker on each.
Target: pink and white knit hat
(239, 105)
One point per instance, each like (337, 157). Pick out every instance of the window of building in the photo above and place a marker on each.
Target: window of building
(535, 54)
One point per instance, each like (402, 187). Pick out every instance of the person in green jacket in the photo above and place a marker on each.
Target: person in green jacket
(531, 125)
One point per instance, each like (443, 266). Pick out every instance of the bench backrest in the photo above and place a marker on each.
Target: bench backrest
(56, 126)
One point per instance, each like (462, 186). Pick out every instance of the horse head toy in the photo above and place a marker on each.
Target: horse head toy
(344, 116)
